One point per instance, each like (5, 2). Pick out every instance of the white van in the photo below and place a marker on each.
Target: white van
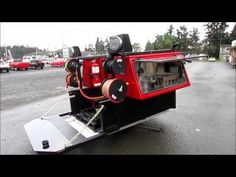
(26, 59)
(4, 66)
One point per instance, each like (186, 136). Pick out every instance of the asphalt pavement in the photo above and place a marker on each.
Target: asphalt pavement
(202, 123)
(24, 87)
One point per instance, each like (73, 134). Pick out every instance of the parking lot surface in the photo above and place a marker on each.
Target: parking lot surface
(202, 123)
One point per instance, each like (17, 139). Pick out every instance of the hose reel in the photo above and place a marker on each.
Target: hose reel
(114, 89)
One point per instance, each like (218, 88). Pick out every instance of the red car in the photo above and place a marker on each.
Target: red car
(58, 63)
(19, 64)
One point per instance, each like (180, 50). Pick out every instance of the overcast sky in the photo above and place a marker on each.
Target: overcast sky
(52, 35)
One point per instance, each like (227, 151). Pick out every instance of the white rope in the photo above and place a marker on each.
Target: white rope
(53, 106)
(85, 126)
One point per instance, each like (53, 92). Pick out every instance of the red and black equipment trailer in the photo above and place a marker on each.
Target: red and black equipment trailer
(109, 93)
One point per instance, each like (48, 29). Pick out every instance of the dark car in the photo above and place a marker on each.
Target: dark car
(189, 60)
(36, 64)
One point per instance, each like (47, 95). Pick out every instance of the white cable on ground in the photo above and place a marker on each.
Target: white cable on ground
(85, 126)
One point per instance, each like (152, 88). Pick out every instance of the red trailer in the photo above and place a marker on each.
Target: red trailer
(233, 54)
(110, 93)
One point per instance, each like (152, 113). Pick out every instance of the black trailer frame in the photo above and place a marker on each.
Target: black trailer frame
(58, 131)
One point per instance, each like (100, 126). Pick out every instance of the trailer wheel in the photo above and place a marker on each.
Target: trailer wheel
(41, 67)
(26, 68)
(7, 70)
(18, 69)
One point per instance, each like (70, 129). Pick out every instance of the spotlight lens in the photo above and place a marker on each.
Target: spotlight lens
(115, 43)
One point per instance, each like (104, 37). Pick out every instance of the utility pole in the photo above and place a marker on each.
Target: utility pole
(220, 43)
(5, 53)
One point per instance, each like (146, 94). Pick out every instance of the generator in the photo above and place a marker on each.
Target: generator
(109, 93)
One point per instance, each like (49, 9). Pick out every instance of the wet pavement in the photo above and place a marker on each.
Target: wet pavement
(23, 87)
(202, 123)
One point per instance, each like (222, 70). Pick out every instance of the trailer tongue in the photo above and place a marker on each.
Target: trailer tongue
(112, 92)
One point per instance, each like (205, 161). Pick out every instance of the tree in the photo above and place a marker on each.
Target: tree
(215, 35)
(226, 38)
(106, 45)
(99, 46)
(194, 43)
(90, 48)
(136, 47)
(170, 30)
(163, 41)
(149, 46)
(189, 41)
(85, 49)
(233, 33)
(19, 51)
(182, 38)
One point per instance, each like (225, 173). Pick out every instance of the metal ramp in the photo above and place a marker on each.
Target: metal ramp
(58, 131)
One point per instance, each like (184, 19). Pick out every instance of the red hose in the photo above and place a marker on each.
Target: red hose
(82, 93)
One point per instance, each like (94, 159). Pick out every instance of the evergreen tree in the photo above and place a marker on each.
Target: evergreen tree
(163, 41)
(215, 35)
(194, 39)
(233, 33)
(182, 38)
(99, 46)
(149, 46)
(136, 47)
(171, 29)
(91, 48)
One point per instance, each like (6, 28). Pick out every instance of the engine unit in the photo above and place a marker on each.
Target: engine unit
(109, 93)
